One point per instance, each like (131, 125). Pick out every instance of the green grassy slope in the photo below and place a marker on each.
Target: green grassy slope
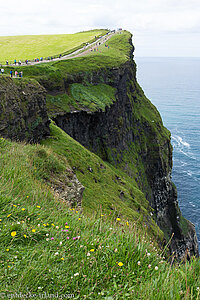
(64, 251)
(36, 46)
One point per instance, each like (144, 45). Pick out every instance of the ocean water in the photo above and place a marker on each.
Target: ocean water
(173, 86)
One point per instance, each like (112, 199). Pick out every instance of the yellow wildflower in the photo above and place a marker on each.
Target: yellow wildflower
(62, 258)
(23, 209)
(33, 230)
(120, 264)
(0, 220)
(91, 250)
(25, 236)
(8, 215)
(13, 233)
(66, 226)
(14, 205)
(52, 224)
(7, 249)
(127, 223)
(118, 219)
(38, 206)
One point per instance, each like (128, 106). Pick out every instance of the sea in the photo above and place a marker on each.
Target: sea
(173, 86)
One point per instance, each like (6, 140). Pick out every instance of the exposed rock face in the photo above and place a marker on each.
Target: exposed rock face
(130, 133)
(69, 189)
(23, 115)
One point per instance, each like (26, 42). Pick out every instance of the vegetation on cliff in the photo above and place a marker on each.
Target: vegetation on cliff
(109, 248)
(37, 46)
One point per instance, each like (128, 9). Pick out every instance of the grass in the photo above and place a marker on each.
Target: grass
(65, 251)
(82, 97)
(36, 46)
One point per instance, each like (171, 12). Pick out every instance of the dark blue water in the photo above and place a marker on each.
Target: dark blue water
(173, 86)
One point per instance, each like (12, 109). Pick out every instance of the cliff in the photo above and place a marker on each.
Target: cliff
(98, 102)
(23, 114)
(130, 135)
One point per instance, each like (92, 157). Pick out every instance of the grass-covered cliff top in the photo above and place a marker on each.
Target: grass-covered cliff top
(36, 46)
(117, 53)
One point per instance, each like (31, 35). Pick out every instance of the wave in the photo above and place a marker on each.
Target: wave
(180, 141)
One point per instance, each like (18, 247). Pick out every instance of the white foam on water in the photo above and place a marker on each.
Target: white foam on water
(180, 141)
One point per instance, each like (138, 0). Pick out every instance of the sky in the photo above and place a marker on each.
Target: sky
(159, 27)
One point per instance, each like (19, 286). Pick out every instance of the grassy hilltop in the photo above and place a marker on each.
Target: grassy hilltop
(36, 46)
(104, 250)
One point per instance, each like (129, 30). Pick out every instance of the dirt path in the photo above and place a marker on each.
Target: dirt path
(80, 52)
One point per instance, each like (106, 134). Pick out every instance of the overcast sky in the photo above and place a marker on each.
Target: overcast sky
(159, 27)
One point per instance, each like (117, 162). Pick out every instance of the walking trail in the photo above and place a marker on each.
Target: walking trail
(80, 52)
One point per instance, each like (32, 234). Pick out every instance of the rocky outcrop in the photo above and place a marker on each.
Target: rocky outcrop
(130, 135)
(23, 115)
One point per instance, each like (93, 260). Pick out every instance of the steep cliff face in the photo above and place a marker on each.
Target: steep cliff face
(23, 114)
(130, 135)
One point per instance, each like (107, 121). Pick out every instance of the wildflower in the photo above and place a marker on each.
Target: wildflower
(88, 254)
(156, 268)
(44, 225)
(67, 238)
(8, 215)
(56, 253)
(76, 274)
(91, 250)
(38, 225)
(198, 288)
(62, 258)
(149, 266)
(120, 264)
(115, 250)
(76, 211)
(79, 219)
(118, 219)
(7, 249)
(102, 215)
(18, 222)
(33, 230)
(52, 238)
(0, 220)
(138, 263)
(25, 236)
(148, 254)
(66, 226)
(127, 223)
(60, 243)
(13, 233)
(57, 227)
(9, 266)
(23, 209)
(27, 196)
(14, 205)
(47, 239)
(52, 224)
(38, 206)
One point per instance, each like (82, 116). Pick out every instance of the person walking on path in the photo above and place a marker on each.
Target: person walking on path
(2, 71)
(16, 73)
(11, 73)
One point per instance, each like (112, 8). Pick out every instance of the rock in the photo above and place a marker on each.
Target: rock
(23, 114)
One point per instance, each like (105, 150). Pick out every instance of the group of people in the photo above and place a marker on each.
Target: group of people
(35, 60)
(16, 74)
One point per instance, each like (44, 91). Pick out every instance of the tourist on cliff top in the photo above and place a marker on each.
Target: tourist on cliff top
(16, 73)
(15, 61)
(7, 62)
(2, 71)
(11, 73)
